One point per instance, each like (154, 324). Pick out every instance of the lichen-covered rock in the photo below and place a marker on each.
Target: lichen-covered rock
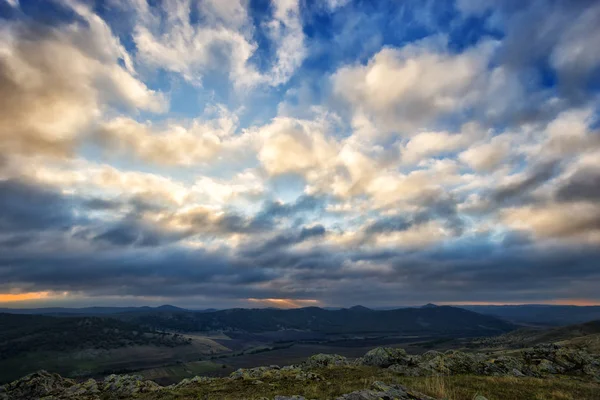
(380, 390)
(88, 389)
(274, 373)
(386, 356)
(127, 385)
(307, 376)
(36, 386)
(257, 373)
(197, 380)
(326, 360)
(503, 365)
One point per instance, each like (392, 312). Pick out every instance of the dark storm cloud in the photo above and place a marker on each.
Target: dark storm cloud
(394, 223)
(273, 211)
(519, 190)
(584, 185)
(553, 30)
(25, 207)
(290, 238)
(132, 232)
(441, 207)
(466, 269)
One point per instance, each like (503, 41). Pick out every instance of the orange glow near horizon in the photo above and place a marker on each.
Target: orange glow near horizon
(11, 298)
(285, 303)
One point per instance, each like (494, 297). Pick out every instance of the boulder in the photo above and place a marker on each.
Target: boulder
(127, 385)
(35, 386)
(197, 380)
(386, 356)
(380, 390)
(326, 360)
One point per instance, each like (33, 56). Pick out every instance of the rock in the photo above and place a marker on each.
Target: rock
(88, 389)
(386, 356)
(127, 385)
(479, 397)
(548, 367)
(274, 373)
(380, 390)
(295, 397)
(307, 376)
(503, 365)
(36, 386)
(326, 360)
(197, 380)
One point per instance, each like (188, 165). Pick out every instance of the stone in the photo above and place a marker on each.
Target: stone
(386, 356)
(37, 385)
(380, 390)
(326, 360)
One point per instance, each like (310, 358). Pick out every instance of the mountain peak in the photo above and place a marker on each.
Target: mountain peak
(430, 305)
(359, 308)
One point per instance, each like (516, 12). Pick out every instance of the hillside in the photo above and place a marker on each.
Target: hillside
(78, 346)
(579, 335)
(429, 320)
(27, 333)
(545, 372)
(535, 314)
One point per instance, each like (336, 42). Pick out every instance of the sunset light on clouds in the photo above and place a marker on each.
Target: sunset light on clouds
(233, 153)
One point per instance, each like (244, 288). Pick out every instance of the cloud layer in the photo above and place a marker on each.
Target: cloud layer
(228, 153)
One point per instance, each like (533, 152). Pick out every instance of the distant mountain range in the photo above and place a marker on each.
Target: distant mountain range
(96, 310)
(537, 314)
(358, 319)
(545, 315)
(429, 320)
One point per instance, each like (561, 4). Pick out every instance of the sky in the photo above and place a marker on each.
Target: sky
(249, 153)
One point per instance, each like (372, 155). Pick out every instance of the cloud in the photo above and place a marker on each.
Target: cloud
(166, 37)
(57, 81)
(295, 146)
(487, 156)
(172, 144)
(409, 88)
(538, 176)
(427, 144)
(559, 35)
(573, 221)
(584, 185)
(299, 160)
(26, 207)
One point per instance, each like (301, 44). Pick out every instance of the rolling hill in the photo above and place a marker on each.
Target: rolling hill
(536, 314)
(428, 320)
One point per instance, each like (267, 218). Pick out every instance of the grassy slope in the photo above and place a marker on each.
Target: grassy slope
(81, 346)
(340, 380)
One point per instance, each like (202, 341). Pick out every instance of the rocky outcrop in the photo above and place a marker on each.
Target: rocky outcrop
(380, 390)
(47, 386)
(538, 362)
(36, 386)
(275, 372)
(385, 356)
(326, 360)
(127, 385)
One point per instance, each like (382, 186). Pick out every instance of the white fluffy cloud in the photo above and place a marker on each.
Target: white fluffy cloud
(167, 38)
(297, 146)
(172, 142)
(56, 83)
(408, 88)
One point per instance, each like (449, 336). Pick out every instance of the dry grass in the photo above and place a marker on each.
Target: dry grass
(338, 381)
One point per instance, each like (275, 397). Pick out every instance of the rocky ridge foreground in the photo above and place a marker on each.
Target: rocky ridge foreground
(540, 361)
